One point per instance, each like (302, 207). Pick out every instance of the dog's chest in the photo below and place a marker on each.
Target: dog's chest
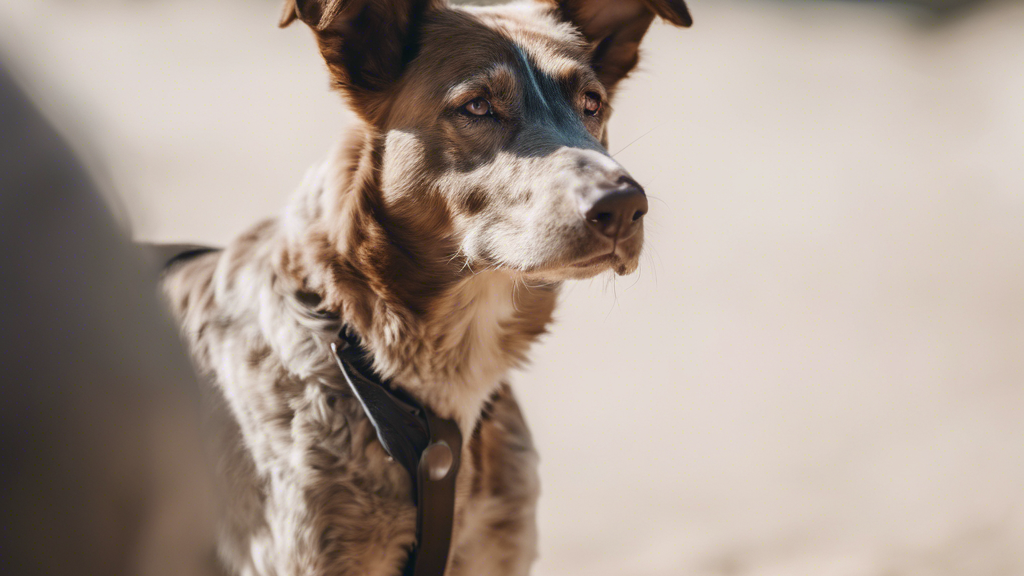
(309, 490)
(330, 500)
(467, 348)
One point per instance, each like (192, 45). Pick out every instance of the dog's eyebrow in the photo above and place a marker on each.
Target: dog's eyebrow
(556, 65)
(499, 81)
(577, 78)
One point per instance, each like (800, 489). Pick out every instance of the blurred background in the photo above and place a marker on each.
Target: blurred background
(820, 367)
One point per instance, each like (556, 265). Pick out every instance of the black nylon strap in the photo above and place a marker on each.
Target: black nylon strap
(169, 255)
(436, 510)
(426, 445)
(401, 428)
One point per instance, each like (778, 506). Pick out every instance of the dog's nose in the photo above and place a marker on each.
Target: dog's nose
(618, 213)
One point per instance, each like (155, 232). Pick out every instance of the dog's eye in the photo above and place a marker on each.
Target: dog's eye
(592, 103)
(478, 107)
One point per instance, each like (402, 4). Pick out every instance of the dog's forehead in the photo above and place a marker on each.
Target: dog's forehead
(554, 47)
(472, 40)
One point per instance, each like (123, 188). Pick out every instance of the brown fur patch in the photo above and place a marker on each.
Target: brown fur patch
(474, 202)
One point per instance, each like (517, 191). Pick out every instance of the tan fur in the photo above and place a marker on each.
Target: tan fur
(441, 241)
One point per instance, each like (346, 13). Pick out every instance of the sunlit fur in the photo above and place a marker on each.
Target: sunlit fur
(441, 241)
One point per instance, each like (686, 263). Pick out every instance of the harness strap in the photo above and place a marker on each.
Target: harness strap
(170, 255)
(426, 445)
(438, 471)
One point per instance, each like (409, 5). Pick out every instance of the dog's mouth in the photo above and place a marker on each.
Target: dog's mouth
(583, 258)
(614, 261)
(603, 261)
(589, 266)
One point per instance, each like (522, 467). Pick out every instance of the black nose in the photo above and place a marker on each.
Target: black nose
(618, 213)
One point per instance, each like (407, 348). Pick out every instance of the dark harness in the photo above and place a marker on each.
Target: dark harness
(427, 446)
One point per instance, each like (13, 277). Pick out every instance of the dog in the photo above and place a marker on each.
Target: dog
(438, 232)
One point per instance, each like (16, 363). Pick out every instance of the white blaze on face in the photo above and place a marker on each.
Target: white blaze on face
(401, 173)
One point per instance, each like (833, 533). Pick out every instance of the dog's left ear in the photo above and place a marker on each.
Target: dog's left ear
(366, 43)
(616, 27)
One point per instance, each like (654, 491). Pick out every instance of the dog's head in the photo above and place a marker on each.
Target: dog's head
(493, 124)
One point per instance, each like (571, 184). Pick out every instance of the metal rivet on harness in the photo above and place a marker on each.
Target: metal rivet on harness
(438, 459)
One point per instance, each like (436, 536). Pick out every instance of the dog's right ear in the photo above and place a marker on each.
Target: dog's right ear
(366, 43)
(615, 29)
(289, 14)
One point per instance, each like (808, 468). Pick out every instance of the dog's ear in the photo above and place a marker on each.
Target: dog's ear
(289, 14)
(366, 43)
(616, 27)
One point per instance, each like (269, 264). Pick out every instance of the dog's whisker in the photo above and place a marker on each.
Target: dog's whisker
(654, 269)
(658, 199)
(626, 147)
(639, 275)
(610, 279)
(615, 290)
(457, 254)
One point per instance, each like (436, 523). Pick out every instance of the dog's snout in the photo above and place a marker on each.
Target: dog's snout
(617, 213)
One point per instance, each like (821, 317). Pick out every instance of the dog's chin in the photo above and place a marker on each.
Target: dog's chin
(587, 268)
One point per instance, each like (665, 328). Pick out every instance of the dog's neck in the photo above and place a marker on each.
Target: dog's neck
(435, 327)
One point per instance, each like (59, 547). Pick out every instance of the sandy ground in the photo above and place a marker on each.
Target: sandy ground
(820, 369)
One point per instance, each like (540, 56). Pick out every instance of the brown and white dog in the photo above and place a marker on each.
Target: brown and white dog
(477, 182)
